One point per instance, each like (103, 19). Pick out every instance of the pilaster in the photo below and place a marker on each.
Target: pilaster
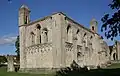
(22, 47)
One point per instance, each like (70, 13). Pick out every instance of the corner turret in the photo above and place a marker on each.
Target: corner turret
(24, 15)
(94, 25)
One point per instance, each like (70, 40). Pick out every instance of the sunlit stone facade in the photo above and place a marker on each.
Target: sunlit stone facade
(55, 41)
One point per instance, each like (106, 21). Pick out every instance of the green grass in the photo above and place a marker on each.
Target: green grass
(102, 72)
(113, 70)
(115, 65)
(3, 72)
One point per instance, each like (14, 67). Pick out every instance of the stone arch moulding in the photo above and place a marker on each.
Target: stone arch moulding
(38, 26)
(68, 27)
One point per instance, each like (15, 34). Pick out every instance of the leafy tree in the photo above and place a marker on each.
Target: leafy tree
(111, 25)
(17, 48)
(3, 59)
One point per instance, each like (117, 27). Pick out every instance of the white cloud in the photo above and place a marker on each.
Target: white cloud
(7, 40)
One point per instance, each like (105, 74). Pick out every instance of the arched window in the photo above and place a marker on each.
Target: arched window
(69, 34)
(91, 37)
(79, 56)
(85, 39)
(77, 31)
(38, 26)
(26, 20)
(32, 38)
(38, 34)
(84, 34)
(45, 35)
(93, 28)
(90, 41)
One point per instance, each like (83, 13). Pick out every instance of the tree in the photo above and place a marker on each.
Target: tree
(3, 59)
(17, 45)
(111, 25)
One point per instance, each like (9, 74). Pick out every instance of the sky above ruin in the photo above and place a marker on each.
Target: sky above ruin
(81, 11)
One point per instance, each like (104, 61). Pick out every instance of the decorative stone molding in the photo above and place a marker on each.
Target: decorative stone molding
(69, 45)
(42, 47)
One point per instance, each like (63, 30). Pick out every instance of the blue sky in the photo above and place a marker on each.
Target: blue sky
(81, 11)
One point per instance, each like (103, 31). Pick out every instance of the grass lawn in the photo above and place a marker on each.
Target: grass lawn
(113, 70)
(3, 72)
(115, 65)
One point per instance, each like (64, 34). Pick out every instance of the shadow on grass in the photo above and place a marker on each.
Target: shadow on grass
(95, 72)
(78, 71)
(103, 72)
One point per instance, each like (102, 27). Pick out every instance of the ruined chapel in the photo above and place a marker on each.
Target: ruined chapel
(56, 40)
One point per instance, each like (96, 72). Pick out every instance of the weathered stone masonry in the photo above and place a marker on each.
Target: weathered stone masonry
(56, 40)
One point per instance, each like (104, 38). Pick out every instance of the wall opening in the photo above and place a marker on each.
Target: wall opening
(114, 56)
(93, 28)
(45, 35)
(32, 38)
(69, 34)
(26, 20)
(38, 35)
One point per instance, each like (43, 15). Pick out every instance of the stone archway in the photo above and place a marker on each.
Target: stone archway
(113, 55)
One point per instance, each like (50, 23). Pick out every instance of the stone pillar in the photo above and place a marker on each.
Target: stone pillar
(10, 66)
(75, 45)
(22, 33)
(56, 41)
(63, 39)
(37, 39)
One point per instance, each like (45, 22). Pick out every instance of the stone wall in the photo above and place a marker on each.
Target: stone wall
(115, 52)
(55, 41)
(89, 45)
(69, 54)
(39, 56)
(45, 24)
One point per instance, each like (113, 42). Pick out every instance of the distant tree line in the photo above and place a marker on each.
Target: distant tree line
(3, 59)
(17, 45)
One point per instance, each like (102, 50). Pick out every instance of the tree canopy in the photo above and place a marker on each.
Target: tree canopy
(3, 59)
(17, 45)
(111, 25)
